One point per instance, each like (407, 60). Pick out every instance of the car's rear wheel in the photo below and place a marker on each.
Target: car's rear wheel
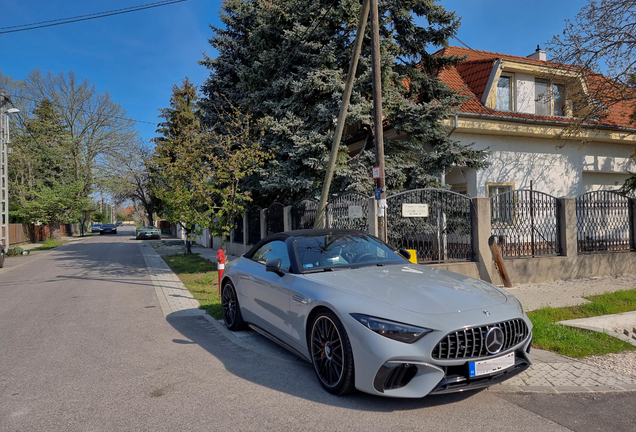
(331, 354)
(230, 306)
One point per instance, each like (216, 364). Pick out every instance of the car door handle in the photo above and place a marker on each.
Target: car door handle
(300, 299)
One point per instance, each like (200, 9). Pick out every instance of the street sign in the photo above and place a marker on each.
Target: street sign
(376, 173)
(378, 194)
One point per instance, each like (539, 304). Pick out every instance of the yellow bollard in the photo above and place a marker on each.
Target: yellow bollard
(413, 253)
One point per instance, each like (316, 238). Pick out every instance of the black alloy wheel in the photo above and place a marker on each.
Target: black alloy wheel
(231, 311)
(331, 354)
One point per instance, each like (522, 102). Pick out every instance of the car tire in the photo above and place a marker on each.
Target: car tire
(331, 354)
(230, 307)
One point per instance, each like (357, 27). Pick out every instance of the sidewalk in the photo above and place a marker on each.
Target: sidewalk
(550, 373)
(31, 246)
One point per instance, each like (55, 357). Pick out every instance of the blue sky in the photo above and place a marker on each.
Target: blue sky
(138, 56)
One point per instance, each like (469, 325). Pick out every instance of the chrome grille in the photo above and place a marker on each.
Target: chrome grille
(469, 342)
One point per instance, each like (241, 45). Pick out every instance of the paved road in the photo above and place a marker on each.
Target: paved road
(84, 346)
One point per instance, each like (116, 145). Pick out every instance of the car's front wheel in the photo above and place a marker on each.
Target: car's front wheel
(231, 310)
(331, 354)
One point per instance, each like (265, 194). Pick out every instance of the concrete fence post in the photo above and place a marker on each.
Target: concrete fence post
(287, 218)
(632, 218)
(371, 216)
(263, 223)
(481, 231)
(567, 226)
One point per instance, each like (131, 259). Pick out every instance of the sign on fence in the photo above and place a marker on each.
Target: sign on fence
(414, 210)
(355, 212)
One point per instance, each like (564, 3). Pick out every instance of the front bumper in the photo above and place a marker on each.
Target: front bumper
(394, 369)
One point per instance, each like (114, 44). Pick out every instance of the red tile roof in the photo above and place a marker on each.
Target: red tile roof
(470, 78)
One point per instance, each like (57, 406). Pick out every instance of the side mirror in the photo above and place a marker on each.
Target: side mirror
(406, 254)
(274, 266)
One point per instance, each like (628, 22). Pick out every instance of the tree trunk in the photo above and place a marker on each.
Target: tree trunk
(54, 226)
(188, 241)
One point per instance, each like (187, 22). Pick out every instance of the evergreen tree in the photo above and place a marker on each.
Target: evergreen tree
(197, 174)
(286, 61)
(41, 169)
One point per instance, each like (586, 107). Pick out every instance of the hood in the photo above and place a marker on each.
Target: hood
(415, 288)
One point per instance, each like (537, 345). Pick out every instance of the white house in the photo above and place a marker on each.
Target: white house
(517, 107)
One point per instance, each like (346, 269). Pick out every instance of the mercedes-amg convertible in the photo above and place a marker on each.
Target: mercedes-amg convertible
(368, 319)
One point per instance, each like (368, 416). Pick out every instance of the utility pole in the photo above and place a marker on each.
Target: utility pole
(4, 166)
(342, 117)
(377, 116)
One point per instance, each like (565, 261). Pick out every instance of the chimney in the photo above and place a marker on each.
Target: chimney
(539, 54)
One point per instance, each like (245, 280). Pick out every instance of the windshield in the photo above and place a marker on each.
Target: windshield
(330, 252)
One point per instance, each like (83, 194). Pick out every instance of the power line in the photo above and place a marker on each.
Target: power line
(79, 18)
(82, 110)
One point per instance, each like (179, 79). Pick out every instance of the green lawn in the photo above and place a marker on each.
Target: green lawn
(201, 278)
(574, 342)
(50, 244)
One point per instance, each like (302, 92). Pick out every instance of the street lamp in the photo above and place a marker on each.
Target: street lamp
(4, 168)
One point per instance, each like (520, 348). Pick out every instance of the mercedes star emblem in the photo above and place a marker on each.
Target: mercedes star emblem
(494, 340)
(487, 313)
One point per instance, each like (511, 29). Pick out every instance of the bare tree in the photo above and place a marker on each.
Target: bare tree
(128, 178)
(600, 47)
(98, 127)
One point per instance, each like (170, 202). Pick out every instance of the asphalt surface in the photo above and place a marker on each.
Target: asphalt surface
(85, 346)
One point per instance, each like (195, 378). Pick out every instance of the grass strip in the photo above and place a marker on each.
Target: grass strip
(200, 277)
(50, 243)
(574, 342)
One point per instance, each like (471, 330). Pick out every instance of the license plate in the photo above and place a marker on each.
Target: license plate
(490, 366)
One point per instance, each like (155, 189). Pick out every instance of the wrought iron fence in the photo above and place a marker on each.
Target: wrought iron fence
(275, 218)
(237, 229)
(526, 223)
(444, 235)
(304, 214)
(348, 211)
(253, 225)
(603, 222)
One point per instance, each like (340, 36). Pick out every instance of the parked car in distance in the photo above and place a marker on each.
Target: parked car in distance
(148, 232)
(96, 228)
(368, 319)
(119, 223)
(108, 228)
(1, 256)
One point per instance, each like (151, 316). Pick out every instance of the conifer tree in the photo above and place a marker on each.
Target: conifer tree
(286, 61)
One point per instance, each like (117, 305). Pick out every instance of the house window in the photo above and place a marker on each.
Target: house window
(461, 188)
(549, 98)
(502, 203)
(504, 93)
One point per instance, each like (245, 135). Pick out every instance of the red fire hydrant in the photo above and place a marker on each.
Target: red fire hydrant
(220, 259)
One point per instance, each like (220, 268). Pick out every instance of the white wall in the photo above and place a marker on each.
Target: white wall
(556, 171)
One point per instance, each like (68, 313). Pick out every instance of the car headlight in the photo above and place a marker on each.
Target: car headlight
(393, 330)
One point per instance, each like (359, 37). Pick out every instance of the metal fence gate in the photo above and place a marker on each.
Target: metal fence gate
(444, 235)
(603, 221)
(275, 218)
(348, 211)
(304, 214)
(253, 225)
(526, 223)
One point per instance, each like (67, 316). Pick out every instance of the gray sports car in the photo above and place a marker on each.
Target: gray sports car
(368, 319)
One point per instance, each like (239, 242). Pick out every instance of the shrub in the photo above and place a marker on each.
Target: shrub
(14, 251)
